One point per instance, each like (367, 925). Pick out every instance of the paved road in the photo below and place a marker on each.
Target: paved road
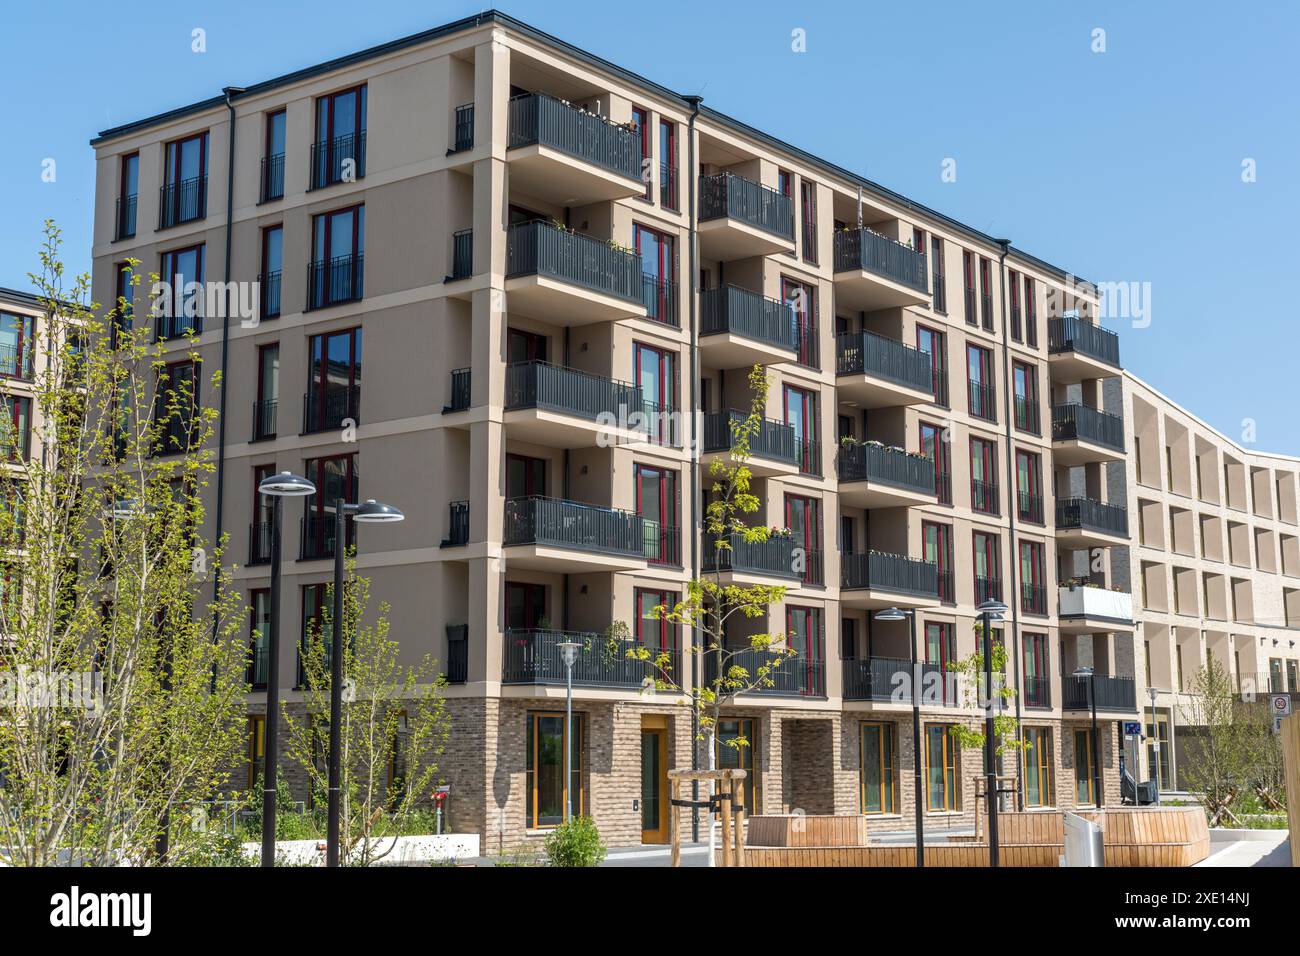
(1257, 848)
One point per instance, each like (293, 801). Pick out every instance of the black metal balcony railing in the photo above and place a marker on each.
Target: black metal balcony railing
(982, 401)
(1086, 514)
(457, 653)
(569, 392)
(317, 531)
(183, 201)
(259, 542)
(177, 326)
(124, 218)
(987, 589)
(943, 487)
(337, 160)
(463, 136)
(1072, 334)
(984, 497)
(889, 466)
(968, 301)
(660, 298)
(533, 656)
(1033, 598)
(460, 394)
(939, 384)
(1026, 412)
(543, 249)
(264, 415)
(322, 411)
(175, 434)
(862, 249)
(1113, 693)
(663, 543)
(807, 345)
(16, 362)
(947, 587)
(986, 311)
(731, 309)
(1038, 692)
(540, 120)
(462, 254)
(860, 353)
(269, 284)
(878, 571)
(668, 186)
(877, 678)
(774, 440)
(809, 453)
(336, 280)
(1085, 423)
(272, 177)
(792, 677)
(1029, 507)
(457, 524)
(728, 196)
(555, 522)
(774, 557)
(257, 664)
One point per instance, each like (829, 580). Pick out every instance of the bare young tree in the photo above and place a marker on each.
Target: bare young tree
(1215, 761)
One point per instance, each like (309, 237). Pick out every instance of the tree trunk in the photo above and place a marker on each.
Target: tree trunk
(713, 789)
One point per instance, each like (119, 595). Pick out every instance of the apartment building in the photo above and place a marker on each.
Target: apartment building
(22, 316)
(1214, 565)
(532, 241)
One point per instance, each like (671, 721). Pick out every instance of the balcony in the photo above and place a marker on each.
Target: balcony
(793, 676)
(259, 543)
(338, 160)
(1114, 694)
(876, 476)
(462, 255)
(326, 410)
(457, 653)
(877, 372)
(462, 137)
(460, 390)
(570, 279)
(570, 537)
(874, 579)
(533, 656)
(663, 544)
(1077, 350)
(559, 152)
(1082, 434)
(740, 329)
(740, 219)
(16, 362)
(264, 416)
(272, 180)
(773, 451)
(124, 218)
(182, 202)
(875, 272)
(257, 665)
(457, 525)
(317, 531)
(335, 281)
(661, 300)
(889, 680)
(987, 589)
(1092, 610)
(269, 287)
(567, 408)
(982, 401)
(745, 562)
(1083, 523)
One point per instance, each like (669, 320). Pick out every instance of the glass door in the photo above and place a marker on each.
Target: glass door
(656, 379)
(659, 265)
(654, 779)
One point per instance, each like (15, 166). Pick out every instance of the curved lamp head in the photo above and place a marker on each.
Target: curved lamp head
(1083, 672)
(891, 614)
(569, 652)
(376, 512)
(992, 607)
(286, 485)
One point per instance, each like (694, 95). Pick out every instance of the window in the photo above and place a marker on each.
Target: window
(338, 253)
(333, 380)
(879, 772)
(936, 545)
(1292, 677)
(848, 638)
(16, 345)
(1013, 292)
(941, 649)
(803, 634)
(802, 300)
(338, 153)
(968, 287)
(268, 391)
(803, 516)
(127, 189)
(937, 276)
(1037, 671)
(15, 427)
(668, 165)
(183, 196)
(182, 309)
(801, 412)
(335, 478)
(546, 744)
(653, 632)
(1038, 767)
(259, 615)
(1029, 488)
(524, 346)
(273, 157)
(656, 379)
(986, 293)
(941, 766)
(986, 548)
(658, 252)
(935, 447)
(1033, 585)
(256, 751)
(125, 299)
(808, 213)
(737, 743)
(641, 120)
(272, 265)
(176, 400)
(983, 476)
(1085, 794)
(1031, 315)
(259, 543)
(1025, 381)
(936, 343)
(525, 606)
(525, 477)
(657, 502)
(979, 374)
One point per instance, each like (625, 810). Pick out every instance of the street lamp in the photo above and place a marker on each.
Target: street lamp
(373, 512)
(1155, 739)
(1092, 704)
(990, 611)
(277, 488)
(568, 654)
(897, 614)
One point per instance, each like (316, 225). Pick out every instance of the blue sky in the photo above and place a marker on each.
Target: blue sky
(1121, 166)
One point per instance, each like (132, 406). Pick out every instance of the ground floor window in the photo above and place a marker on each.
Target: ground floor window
(1084, 793)
(879, 772)
(1038, 767)
(545, 746)
(1158, 760)
(740, 757)
(941, 767)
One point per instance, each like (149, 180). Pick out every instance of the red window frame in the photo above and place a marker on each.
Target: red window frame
(937, 277)
(811, 637)
(806, 425)
(1031, 315)
(1024, 382)
(172, 157)
(665, 264)
(1033, 471)
(812, 531)
(655, 632)
(941, 545)
(938, 342)
(930, 434)
(1035, 553)
(319, 374)
(989, 545)
(802, 300)
(1013, 291)
(968, 286)
(669, 484)
(986, 293)
(668, 165)
(941, 648)
(808, 216)
(641, 117)
(533, 605)
(984, 451)
(666, 364)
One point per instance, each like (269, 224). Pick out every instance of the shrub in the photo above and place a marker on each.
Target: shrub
(576, 842)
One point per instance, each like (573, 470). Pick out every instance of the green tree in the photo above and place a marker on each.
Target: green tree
(1215, 759)
(970, 672)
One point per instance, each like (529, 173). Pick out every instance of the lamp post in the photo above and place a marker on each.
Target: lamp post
(569, 654)
(1089, 673)
(1155, 739)
(897, 614)
(277, 488)
(990, 611)
(373, 512)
